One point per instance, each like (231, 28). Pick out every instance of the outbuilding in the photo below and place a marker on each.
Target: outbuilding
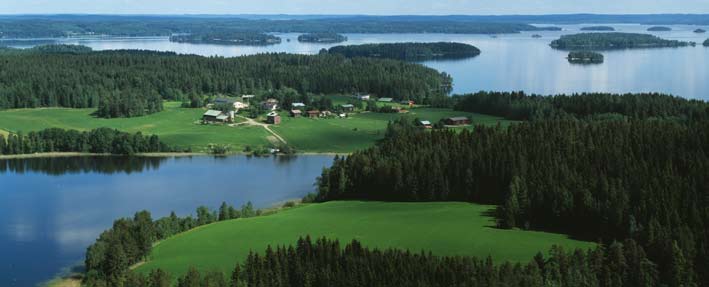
(296, 113)
(273, 118)
(313, 114)
(457, 121)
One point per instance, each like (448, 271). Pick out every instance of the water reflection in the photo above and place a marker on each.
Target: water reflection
(75, 165)
(52, 209)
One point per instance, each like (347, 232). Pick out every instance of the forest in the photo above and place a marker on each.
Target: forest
(598, 28)
(228, 38)
(322, 37)
(706, 43)
(585, 57)
(131, 239)
(648, 180)
(325, 263)
(520, 106)
(100, 141)
(408, 51)
(132, 83)
(615, 40)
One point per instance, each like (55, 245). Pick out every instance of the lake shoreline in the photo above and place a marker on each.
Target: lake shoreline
(157, 154)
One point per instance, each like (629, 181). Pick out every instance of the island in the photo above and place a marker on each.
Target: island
(598, 28)
(706, 43)
(322, 38)
(659, 29)
(585, 57)
(700, 31)
(615, 40)
(408, 51)
(536, 36)
(228, 38)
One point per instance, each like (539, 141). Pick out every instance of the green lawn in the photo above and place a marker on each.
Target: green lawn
(180, 127)
(359, 130)
(444, 228)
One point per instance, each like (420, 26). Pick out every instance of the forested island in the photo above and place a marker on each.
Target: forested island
(322, 38)
(228, 38)
(706, 43)
(699, 31)
(108, 79)
(615, 40)
(659, 29)
(585, 57)
(598, 28)
(408, 51)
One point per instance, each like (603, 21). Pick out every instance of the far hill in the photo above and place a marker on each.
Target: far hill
(228, 38)
(598, 28)
(409, 51)
(324, 37)
(615, 40)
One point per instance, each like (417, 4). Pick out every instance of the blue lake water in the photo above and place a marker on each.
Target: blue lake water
(52, 209)
(513, 62)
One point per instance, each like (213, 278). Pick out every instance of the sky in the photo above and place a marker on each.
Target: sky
(371, 7)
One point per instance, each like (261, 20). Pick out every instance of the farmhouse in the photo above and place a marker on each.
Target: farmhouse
(362, 97)
(425, 124)
(313, 114)
(273, 118)
(270, 104)
(348, 107)
(214, 116)
(296, 113)
(457, 121)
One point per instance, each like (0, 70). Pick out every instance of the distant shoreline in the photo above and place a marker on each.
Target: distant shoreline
(157, 154)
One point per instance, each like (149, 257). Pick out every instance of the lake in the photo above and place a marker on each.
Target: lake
(51, 209)
(512, 62)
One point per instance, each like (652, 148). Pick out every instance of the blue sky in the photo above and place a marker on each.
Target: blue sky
(378, 7)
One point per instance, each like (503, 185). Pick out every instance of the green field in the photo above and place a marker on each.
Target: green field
(443, 228)
(180, 127)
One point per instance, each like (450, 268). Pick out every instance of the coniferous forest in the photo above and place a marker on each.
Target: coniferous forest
(133, 83)
(608, 179)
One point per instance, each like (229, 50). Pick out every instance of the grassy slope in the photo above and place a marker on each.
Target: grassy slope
(443, 228)
(178, 126)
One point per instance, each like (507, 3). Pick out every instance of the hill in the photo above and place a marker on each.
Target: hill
(442, 228)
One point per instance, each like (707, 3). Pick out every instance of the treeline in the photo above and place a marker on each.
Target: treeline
(408, 51)
(322, 37)
(228, 38)
(325, 263)
(101, 140)
(128, 83)
(614, 40)
(69, 25)
(520, 106)
(131, 239)
(618, 179)
(598, 28)
(82, 164)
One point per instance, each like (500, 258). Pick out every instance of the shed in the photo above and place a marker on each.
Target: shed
(457, 121)
(313, 114)
(273, 118)
(348, 107)
(426, 124)
(214, 116)
(386, 100)
(296, 113)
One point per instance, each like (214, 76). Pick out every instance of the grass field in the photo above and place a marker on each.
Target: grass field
(442, 228)
(179, 126)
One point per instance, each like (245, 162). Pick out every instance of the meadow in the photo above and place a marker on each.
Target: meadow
(443, 228)
(180, 127)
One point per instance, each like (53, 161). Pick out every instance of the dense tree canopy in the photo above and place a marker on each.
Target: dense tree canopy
(132, 83)
(615, 40)
(598, 28)
(408, 51)
(585, 57)
(520, 106)
(659, 29)
(706, 43)
(608, 179)
(102, 140)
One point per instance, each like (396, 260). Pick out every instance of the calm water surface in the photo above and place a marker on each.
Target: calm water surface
(509, 62)
(52, 209)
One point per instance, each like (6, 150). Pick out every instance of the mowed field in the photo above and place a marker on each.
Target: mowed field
(444, 228)
(180, 127)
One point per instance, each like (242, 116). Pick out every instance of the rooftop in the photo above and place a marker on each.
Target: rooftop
(458, 119)
(385, 99)
(213, 113)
